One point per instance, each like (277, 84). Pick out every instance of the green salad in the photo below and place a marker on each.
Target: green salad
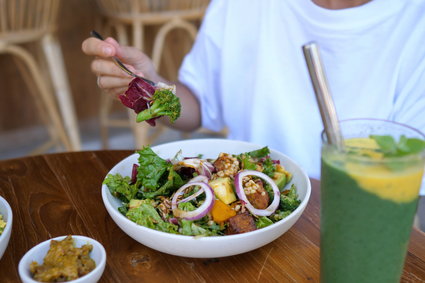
(195, 196)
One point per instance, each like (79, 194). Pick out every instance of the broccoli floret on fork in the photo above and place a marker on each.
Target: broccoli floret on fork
(150, 102)
(163, 103)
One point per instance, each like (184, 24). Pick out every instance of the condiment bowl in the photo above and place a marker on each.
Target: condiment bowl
(6, 211)
(38, 253)
(215, 246)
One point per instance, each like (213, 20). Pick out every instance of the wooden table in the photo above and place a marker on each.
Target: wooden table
(59, 194)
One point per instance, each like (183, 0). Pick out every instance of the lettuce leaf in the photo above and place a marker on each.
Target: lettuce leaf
(146, 215)
(196, 228)
(269, 168)
(120, 187)
(174, 181)
(190, 228)
(250, 159)
(259, 153)
(151, 168)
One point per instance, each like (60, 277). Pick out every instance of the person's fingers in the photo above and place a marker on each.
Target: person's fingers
(107, 68)
(127, 54)
(115, 92)
(107, 82)
(97, 47)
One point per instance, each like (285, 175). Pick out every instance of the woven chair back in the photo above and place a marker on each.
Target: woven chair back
(22, 20)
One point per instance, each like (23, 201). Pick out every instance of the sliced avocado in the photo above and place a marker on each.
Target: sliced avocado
(223, 189)
(281, 177)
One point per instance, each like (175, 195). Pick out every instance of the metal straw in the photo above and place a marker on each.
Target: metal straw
(323, 94)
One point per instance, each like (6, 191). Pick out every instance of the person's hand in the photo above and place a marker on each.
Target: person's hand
(115, 81)
(109, 76)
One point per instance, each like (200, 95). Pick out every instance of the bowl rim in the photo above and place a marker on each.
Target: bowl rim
(301, 207)
(9, 215)
(23, 266)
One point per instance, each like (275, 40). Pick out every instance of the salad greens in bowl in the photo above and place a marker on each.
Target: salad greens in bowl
(205, 198)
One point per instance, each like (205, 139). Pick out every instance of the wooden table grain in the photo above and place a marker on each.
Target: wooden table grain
(59, 194)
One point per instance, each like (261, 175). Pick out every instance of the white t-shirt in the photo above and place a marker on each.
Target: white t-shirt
(248, 70)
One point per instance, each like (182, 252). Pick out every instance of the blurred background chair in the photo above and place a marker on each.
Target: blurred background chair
(24, 22)
(134, 22)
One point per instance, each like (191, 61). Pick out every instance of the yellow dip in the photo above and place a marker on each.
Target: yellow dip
(63, 262)
(2, 224)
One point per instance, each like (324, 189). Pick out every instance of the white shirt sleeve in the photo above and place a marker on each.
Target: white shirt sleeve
(409, 107)
(200, 70)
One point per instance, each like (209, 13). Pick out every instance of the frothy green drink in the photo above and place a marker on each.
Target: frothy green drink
(368, 205)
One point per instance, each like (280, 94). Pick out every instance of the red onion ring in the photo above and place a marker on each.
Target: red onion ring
(200, 211)
(242, 196)
(199, 178)
(134, 173)
(202, 166)
(207, 168)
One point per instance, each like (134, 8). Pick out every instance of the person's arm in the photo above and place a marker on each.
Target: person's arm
(114, 81)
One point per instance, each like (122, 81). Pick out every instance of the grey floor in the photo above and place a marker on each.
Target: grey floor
(20, 142)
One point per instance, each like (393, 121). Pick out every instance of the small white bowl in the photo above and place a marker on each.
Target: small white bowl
(215, 246)
(38, 253)
(6, 211)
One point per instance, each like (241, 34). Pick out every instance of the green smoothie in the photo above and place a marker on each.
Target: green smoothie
(367, 214)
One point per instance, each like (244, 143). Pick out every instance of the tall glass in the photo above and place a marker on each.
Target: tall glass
(368, 204)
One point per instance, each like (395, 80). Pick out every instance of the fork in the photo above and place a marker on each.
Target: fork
(118, 62)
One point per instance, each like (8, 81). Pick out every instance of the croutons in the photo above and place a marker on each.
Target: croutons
(226, 165)
(258, 197)
(241, 223)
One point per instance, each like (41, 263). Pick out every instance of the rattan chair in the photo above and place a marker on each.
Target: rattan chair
(33, 21)
(130, 19)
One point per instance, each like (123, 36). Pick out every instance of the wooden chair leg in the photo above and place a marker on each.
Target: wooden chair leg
(121, 31)
(44, 147)
(158, 45)
(29, 81)
(106, 101)
(56, 65)
(138, 33)
(169, 64)
(43, 88)
(104, 110)
(140, 131)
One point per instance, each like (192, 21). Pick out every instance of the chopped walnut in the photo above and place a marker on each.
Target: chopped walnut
(226, 165)
(164, 206)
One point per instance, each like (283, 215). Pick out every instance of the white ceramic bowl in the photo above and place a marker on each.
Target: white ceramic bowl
(6, 211)
(38, 253)
(206, 247)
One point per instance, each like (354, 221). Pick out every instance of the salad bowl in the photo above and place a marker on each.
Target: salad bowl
(211, 246)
